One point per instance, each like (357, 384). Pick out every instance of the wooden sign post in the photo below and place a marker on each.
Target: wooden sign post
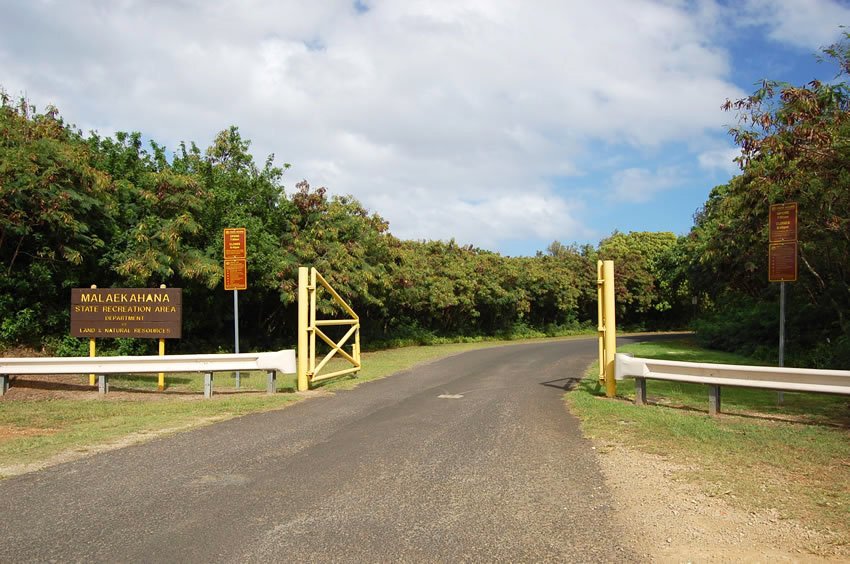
(235, 275)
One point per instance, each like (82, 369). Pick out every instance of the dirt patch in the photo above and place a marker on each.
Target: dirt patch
(11, 433)
(668, 519)
(49, 387)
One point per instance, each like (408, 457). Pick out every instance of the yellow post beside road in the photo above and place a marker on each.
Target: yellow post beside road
(161, 381)
(92, 349)
(312, 324)
(303, 320)
(92, 353)
(610, 327)
(600, 317)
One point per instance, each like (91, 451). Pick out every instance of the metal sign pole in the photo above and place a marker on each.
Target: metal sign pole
(781, 333)
(236, 330)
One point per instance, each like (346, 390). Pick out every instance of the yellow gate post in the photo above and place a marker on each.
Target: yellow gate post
(303, 338)
(311, 328)
(161, 380)
(610, 327)
(600, 316)
(92, 348)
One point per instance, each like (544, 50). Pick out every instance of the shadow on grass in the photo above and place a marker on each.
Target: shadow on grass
(52, 385)
(330, 381)
(821, 410)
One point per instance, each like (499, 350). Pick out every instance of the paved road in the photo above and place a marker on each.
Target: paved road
(389, 471)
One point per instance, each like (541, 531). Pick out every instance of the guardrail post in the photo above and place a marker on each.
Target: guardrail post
(303, 339)
(713, 400)
(4, 384)
(102, 384)
(208, 384)
(271, 384)
(610, 327)
(640, 391)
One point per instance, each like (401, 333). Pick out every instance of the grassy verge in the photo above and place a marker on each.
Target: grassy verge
(793, 457)
(36, 430)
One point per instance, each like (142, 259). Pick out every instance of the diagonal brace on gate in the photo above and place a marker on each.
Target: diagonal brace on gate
(309, 282)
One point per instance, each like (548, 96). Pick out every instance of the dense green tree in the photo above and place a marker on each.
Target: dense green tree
(644, 285)
(54, 209)
(794, 143)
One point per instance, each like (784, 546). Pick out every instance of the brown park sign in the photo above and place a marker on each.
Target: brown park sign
(137, 313)
(783, 222)
(234, 243)
(235, 274)
(782, 261)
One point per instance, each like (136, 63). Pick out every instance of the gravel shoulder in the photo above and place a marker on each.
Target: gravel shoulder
(669, 519)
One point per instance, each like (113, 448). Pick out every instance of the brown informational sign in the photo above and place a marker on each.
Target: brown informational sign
(137, 313)
(782, 259)
(234, 243)
(783, 222)
(235, 275)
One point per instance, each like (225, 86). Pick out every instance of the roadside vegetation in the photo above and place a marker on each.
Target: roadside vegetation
(793, 457)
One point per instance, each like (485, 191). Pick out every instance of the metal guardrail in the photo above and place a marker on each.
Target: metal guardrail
(270, 362)
(717, 375)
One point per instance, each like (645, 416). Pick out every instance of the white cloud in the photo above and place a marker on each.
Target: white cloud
(417, 107)
(722, 160)
(809, 24)
(638, 185)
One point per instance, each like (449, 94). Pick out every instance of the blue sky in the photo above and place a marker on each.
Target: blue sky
(502, 124)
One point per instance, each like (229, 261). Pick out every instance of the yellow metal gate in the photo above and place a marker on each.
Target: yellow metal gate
(309, 327)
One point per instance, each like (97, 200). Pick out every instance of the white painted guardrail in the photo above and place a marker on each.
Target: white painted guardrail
(716, 375)
(270, 362)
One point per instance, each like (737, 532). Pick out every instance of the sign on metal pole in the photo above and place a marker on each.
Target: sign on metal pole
(783, 222)
(235, 275)
(234, 243)
(782, 250)
(782, 260)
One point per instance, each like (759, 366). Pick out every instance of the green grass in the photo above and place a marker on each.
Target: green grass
(51, 427)
(806, 407)
(793, 457)
(34, 431)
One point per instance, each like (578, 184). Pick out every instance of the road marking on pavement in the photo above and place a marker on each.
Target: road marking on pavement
(450, 396)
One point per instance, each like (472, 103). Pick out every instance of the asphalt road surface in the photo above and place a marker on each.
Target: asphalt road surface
(472, 458)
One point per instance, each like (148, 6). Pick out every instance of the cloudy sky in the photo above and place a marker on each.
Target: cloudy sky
(506, 124)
